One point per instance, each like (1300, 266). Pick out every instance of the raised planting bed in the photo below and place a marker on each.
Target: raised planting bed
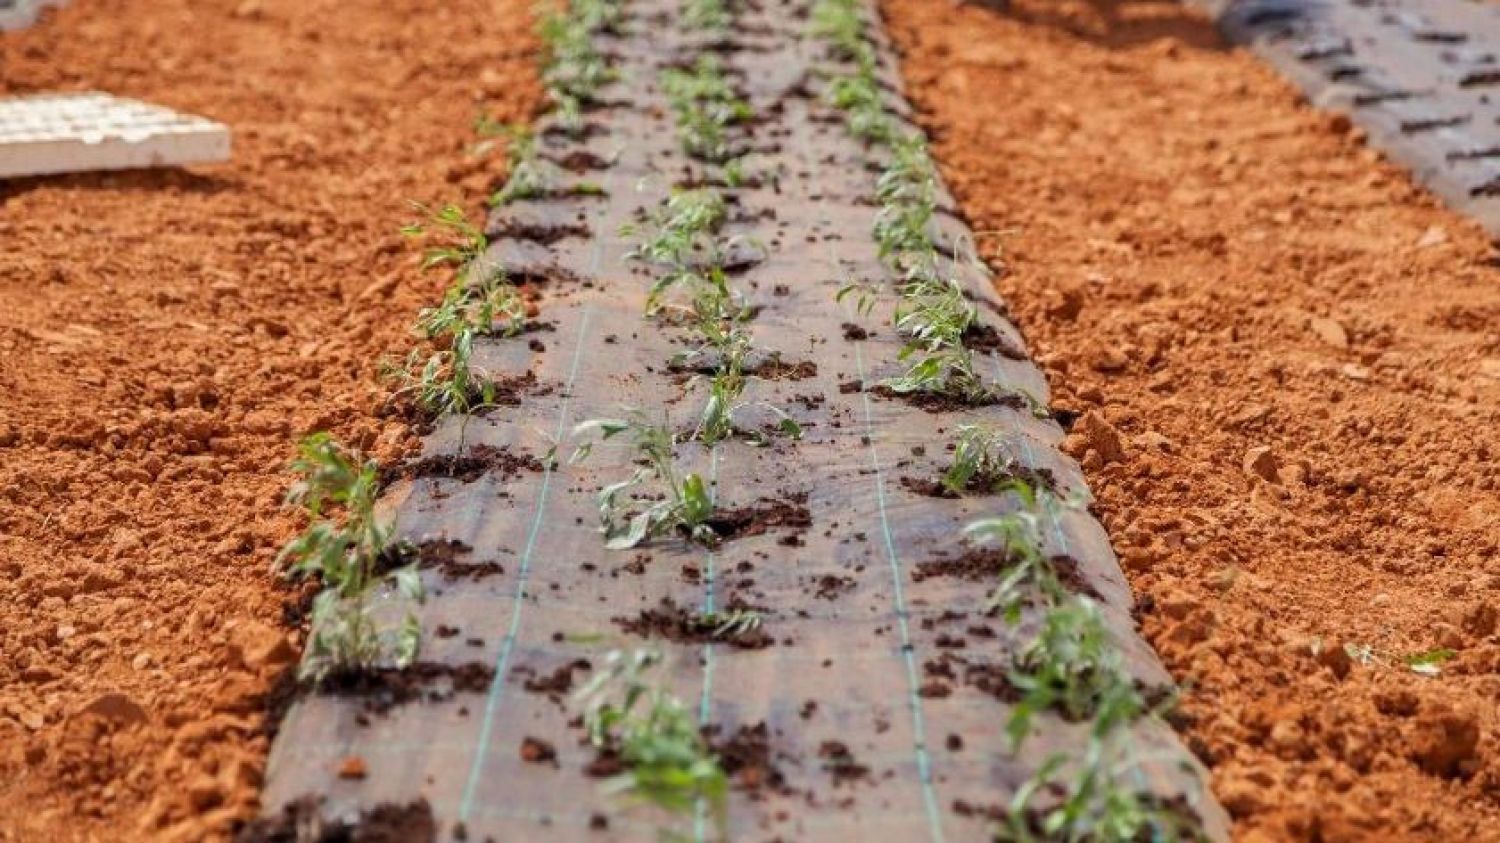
(734, 364)
(1419, 77)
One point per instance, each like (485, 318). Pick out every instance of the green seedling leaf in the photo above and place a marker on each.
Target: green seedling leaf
(1429, 662)
(698, 506)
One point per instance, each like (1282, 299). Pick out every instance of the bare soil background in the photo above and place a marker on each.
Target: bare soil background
(1288, 358)
(164, 339)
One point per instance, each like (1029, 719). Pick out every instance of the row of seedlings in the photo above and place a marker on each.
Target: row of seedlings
(1068, 663)
(665, 757)
(575, 74)
(350, 548)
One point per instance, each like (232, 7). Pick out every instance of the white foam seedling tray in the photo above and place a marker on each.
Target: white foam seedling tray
(19, 14)
(71, 133)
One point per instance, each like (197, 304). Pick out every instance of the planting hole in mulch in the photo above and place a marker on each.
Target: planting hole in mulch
(476, 462)
(382, 689)
(985, 339)
(545, 234)
(451, 558)
(987, 564)
(936, 402)
(789, 513)
(673, 623)
(841, 764)
(983, 484)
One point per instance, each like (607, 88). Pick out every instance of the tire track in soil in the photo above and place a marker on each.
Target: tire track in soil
(1288, 365)
(165, 336)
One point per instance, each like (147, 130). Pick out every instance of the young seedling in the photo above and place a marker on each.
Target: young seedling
(460, 244)
(838, 22)
(479, 295)
(909, 177)
(683, 231)
(1029, 577)
(666, 760)
(864, 109)
(716, 422)
(476, 309)
(901, 234)
(865, 295)
(597, 16)
(982, 457)
(686, 506)
(346, 635)
(948, 371)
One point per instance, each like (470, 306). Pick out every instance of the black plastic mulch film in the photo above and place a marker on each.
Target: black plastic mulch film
(853, 628)
(1421, 76)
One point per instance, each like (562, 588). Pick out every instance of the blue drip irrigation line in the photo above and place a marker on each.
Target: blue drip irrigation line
(700, 810)
(502, 660)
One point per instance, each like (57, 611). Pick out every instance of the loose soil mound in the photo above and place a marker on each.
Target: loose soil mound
(1289, 363)
(164, 338)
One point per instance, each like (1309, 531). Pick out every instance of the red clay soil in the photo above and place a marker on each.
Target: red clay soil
(1289, 360)
(164, 339)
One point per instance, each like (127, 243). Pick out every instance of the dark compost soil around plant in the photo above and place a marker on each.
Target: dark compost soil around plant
(166, 336)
